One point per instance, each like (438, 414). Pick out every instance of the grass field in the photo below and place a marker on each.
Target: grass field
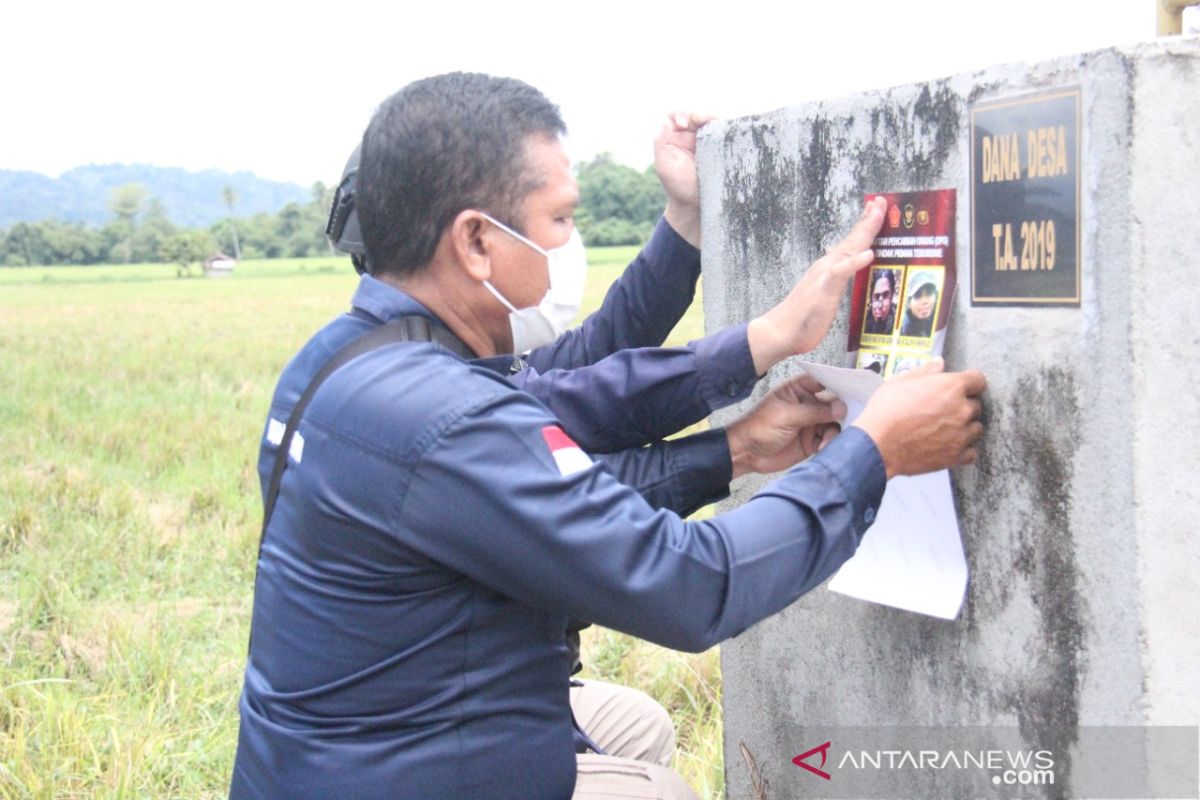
(131, 403)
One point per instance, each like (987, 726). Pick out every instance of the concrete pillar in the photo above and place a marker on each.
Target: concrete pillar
(1082, 518)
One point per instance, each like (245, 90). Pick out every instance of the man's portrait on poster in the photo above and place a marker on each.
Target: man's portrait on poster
(881, 313)
(921, 302)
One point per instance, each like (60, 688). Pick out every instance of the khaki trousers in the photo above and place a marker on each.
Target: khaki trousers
(639, 738)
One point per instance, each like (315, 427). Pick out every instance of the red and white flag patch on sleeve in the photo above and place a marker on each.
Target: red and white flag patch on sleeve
(567, 455)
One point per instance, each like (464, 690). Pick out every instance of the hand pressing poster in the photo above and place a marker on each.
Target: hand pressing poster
(901, 303)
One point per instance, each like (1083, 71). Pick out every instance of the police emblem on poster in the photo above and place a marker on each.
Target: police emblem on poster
(1025, 214)
(901, 302)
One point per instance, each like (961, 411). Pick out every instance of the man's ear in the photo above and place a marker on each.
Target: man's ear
(469, 244)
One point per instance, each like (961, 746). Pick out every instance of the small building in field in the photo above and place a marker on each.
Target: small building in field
(219, 265)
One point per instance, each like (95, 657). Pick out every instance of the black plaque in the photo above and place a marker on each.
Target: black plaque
(1025, 200)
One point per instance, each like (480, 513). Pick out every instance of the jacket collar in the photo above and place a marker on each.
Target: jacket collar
(385, 302)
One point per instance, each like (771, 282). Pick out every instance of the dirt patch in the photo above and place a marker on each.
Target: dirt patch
(189, 607)
(8, 613)
(166, 520)
(86, 652)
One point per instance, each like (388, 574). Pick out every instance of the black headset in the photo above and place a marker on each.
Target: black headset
(342, 228)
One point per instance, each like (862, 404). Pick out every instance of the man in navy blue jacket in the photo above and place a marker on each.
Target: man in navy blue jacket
(436, 528)
(640, 309)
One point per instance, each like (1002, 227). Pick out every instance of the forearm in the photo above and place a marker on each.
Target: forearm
(684, 220)
(635, 397)
(768, 344)
(682, 475)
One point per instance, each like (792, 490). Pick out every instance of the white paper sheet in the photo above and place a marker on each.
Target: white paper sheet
(912, 556)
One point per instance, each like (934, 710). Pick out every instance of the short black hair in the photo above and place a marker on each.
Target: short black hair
(439, 146)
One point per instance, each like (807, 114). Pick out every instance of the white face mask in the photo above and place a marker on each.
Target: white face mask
(541, 324)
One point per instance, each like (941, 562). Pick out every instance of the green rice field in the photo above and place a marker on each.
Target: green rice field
(131, 404)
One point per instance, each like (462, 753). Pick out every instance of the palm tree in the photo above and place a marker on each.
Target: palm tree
(230, 197)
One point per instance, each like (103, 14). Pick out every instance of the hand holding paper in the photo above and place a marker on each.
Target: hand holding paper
(912, 555)
(785, 427)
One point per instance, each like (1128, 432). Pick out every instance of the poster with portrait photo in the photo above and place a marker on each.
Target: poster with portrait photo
(901, 302)
(921, 300)
(904, 363)
(883, 306)
(873, 360)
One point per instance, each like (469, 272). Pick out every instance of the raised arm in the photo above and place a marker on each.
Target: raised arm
(656, 289)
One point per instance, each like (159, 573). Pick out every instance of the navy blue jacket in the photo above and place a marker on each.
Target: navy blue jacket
(436, 529)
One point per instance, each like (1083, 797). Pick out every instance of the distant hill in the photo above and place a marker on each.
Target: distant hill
(191, 199)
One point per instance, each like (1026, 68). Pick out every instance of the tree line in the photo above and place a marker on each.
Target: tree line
(139, 231)
(618, 206)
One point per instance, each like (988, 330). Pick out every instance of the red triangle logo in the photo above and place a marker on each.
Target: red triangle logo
(823, 749)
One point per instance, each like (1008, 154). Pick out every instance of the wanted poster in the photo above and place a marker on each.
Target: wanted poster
(901, 302)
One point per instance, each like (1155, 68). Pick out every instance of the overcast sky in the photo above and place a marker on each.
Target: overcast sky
(285, 89)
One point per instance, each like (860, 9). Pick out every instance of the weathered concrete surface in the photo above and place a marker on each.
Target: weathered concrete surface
(1080, 519)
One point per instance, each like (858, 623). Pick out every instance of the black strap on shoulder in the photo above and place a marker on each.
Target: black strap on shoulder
(412, 328)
